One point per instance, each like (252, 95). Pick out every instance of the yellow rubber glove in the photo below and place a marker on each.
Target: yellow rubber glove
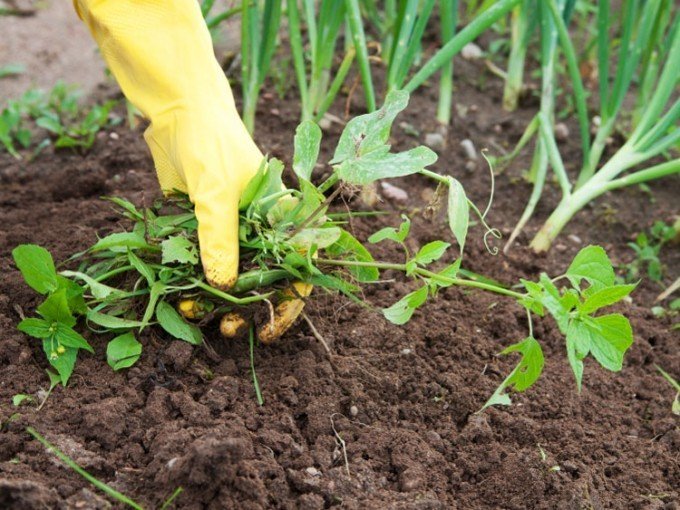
(162, 56)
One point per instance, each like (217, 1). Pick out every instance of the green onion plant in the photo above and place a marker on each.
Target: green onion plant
(260, 21)
(323, 21)
(654, 134)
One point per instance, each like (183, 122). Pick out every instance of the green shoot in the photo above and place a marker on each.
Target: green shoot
(448, 11)
(356, 28)
(106, 489)
(647, 248)
(323, 27)
(256, 384)
(675, 408)
(259, 34)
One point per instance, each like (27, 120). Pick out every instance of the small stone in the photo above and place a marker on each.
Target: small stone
(171, 463)
(312, 471)
(560, 247)
(561, 132)
(469, 149)
(471, 166)
(275, 112)
(410, 480)
(575, 239)
(409, 129)
(114, 136)
(324, 124)
(354, 410)
(435, 141)
(498, 129)
(406, 352)
(471, 52)
(474, 108)
(392, 192)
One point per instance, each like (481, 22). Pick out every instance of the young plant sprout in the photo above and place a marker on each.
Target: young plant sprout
(129, 281)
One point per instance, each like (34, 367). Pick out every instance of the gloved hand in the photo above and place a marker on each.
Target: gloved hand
(161, 54)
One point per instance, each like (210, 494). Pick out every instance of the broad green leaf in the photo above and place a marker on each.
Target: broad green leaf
(74, 295)
(384, 165)
(37, 328)
(524, 375)
(458, 211)
(605, 297)
(172, 322)
(402, 311)
(593, 265)
(366, 133)
(98, 290)
(179, 249)
(431, 252)
(121, 242)
(36, 266)
(348, 248)
(319, 237)
(307, 141)
(611, 336)
(111, 321)
(55, 309)
(69, 338)
(62, 363)
(270, 185)
(123, 351)
(142, 268)
(51, 123)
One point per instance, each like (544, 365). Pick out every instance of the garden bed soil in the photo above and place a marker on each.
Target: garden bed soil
(403, 399)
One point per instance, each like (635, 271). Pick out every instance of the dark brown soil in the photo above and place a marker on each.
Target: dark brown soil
(403, 399)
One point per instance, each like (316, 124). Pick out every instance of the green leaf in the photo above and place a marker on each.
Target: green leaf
(524, 375)
(62, 363)
(319, 237)
(69, 338)
(402, 311)
(391, 233)
(111, 321)
(459, 212)
(366, 133)
(121, 242)
(253, 186)
(607, 338)
(55, 309)
(431, 252)
(593, 265)
(611, 337)
(36, 266)
(123, 351)
(37, 328)
(347, 247)
(11, 70)
(157, 290)
(20, 398)
(74, 294)
(385, 165)
(172, 322)
(307, 142)
(142, 268)
(179, 249)
(605, 297)
(450, 272)
(98, 290)
(51, 123)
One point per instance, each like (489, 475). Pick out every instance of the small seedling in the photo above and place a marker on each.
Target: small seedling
(647, 248)
(675, 408)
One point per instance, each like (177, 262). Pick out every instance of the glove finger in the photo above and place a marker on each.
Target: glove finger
(217, 214)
